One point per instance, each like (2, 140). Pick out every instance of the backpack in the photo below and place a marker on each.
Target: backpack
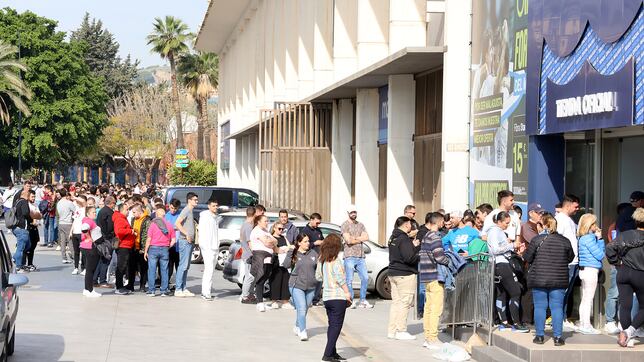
(43, 206)
(10, 217)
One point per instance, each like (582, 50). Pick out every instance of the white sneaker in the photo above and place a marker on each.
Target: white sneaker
(391, 335)
(365, 304)
(86, 293)
(589, 330)
(568, 326)
(639, 332)
(83, 273)
(354, 305)
(433, 345)
(95, 294)
(58, 248)
(75, 271)
(179, 293)
(611, 328)
(261, 307)
(296, 331)
(275, 305)
(187, 293)
(303, 335)
(288, 306)
(404, 336)
(630, 343)
(268, 306)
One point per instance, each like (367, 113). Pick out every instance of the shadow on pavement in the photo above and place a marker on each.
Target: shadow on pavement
(352, 352)
(38, 347)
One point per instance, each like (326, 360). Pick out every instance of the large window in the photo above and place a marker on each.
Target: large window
(224, 159)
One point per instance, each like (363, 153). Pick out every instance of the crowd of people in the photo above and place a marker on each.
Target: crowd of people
(116, 235)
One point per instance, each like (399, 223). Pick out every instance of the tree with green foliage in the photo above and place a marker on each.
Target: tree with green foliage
(199, 73)
(101, 55)
(169, 39)
(13, 90)
(198, 173)
(68, 103)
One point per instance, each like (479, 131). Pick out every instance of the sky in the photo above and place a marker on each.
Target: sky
(129, 21)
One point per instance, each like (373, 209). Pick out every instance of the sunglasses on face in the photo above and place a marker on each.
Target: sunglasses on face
(279, 229)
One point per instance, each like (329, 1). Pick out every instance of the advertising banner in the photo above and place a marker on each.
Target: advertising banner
(499, 145)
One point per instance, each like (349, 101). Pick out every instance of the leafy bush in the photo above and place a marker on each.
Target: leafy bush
(198, 173)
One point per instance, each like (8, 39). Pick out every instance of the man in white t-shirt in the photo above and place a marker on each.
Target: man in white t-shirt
(567, 227)
(505, 199)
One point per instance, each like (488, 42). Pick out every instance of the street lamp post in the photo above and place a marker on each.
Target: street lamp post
(19, 122)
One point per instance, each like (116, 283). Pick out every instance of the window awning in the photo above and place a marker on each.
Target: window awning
(405, 61)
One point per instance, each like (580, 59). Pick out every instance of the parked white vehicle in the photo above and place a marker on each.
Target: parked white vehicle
(377, 258)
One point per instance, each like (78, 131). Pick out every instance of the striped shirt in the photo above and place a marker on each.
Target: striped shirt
(333, 278)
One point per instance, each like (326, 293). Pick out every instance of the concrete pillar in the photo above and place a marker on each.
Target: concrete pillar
(341, 166)
(456, 113)
(279, 50)
(291, 51)
(366, 168)
(373, 31)
(345, 38)
(305, 48)
(400, 148)
(269, 60)
(407, 23)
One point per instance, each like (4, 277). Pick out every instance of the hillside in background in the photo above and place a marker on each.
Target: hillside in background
(155, 74)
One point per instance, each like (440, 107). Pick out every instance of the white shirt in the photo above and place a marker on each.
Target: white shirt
(568, 228)
(514, 228)
(257, 244)
(78, 216)
(40, 192)
(208, 236)
(7, 197)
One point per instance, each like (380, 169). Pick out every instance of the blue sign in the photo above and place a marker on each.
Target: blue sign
(182, 160)
(181, 165)
(181, 151)
(383, 115)
(590, 101)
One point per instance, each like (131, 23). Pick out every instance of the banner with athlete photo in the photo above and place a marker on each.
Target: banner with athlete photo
(498, 142)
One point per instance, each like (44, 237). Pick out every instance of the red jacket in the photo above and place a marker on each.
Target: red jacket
(123, 230)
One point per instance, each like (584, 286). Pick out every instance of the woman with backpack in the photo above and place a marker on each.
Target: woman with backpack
(626, 252)
(591, 253)
(548, 255)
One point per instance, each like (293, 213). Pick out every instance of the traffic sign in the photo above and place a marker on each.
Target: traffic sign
(181, 165)
(181, 157)
(182, 161)
(181, 151)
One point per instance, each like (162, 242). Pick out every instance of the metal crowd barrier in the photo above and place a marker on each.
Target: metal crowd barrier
(472, 301)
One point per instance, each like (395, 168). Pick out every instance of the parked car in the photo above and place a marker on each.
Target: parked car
(229, 226)
(376, 256)
(229, 198)
(10, 301)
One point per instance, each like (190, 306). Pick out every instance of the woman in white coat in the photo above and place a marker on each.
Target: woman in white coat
(208, 239)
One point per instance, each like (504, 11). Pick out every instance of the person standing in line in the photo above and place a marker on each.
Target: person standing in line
(312, 230)
(625, 220)
(160, 238)
(7, 197)
(505, 198)
(209, 245)
(612, 295)
(591, 254)
(403, 267)
(34, 235)
(290, 230)
(77, 217)
(508, 286)
(263, 244)
(432, 254)
(24, 218)
(248, 286)
(278, 281)
(410, 212)
(173, 253)
(303, 262)
(458, 240)
(567, 227)
(186, 225)
(105, 222)
(548, 255)
(90, 235)
(140, 225)
(45, 207)
(355, 234)
(65, 209)
(482, 211)
(529, 230)
(336, 293)
(126, 235)
(627, 253)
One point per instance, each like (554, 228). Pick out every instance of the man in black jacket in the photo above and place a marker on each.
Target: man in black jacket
(104, 221)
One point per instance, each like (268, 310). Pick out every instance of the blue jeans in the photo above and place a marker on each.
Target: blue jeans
(158, 255)
(573, 274)
(302, 300)
(22, 241)
(53, 239)
(542, 298)
(185, 252)
(49, 224)
(358, 264)
(611, 297)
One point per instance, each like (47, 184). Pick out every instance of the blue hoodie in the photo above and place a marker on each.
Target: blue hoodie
(591, 251)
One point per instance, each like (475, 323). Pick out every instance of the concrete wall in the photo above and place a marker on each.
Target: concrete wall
(341, 165)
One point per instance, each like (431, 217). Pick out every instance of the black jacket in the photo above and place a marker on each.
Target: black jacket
(403, 255)
(627, 249)
(104, 221)
(549, 264)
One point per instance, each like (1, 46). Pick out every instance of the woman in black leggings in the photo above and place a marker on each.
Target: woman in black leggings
(626, 252)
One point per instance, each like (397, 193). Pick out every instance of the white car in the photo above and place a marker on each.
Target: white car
(376, 256)
(229, 226)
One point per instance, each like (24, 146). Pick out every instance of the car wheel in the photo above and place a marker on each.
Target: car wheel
(383, 286)
(222, 256)
(12, 343)
(196, 257)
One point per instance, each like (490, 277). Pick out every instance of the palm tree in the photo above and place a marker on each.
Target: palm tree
(169, 39)
(12, 87)
(199, 73)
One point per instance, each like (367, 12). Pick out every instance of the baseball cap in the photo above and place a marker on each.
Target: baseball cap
(536, 207)
(351, 208)
(637, 195)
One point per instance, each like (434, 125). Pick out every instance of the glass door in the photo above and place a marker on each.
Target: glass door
(580, 173)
